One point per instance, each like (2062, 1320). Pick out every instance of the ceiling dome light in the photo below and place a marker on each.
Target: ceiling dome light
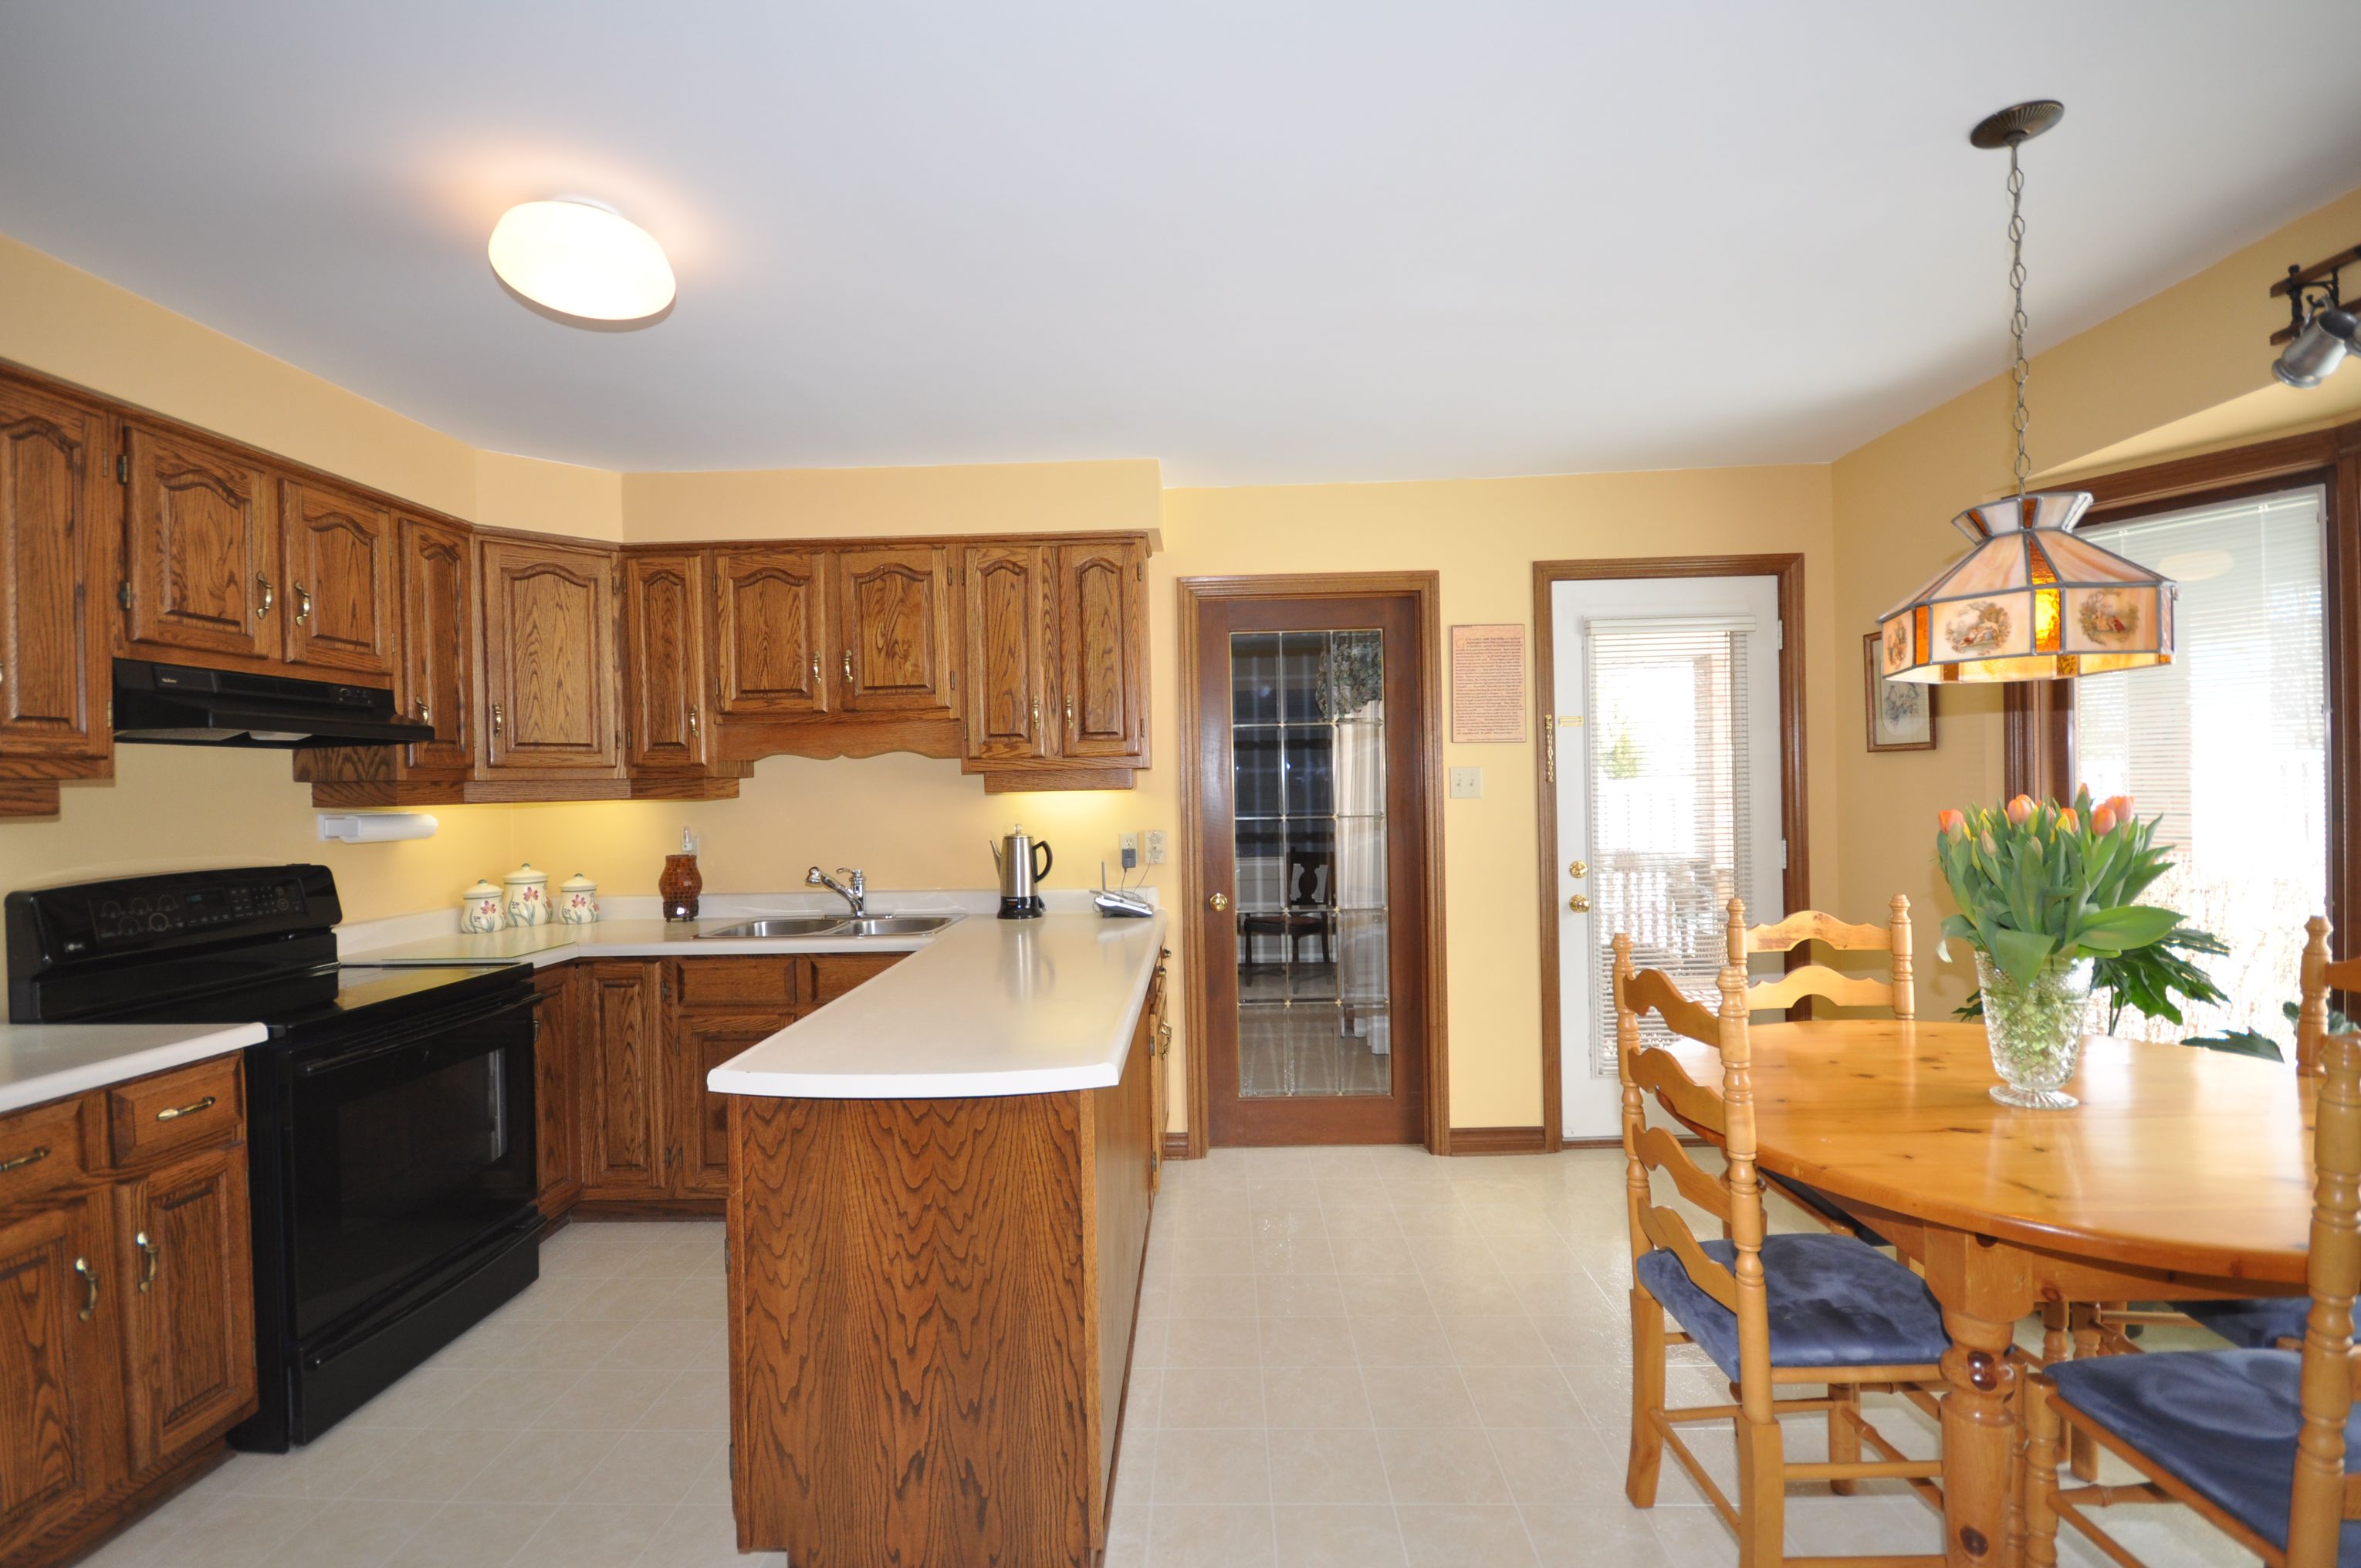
(580, 258)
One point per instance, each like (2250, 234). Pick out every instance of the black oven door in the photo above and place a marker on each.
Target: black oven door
(403, 1151)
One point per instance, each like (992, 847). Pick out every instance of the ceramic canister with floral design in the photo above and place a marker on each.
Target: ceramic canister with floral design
(479, 908)
(577, 901)
(528, 895)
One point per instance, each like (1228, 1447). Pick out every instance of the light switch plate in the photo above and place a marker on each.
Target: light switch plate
(1467, 784)
(1156, 846)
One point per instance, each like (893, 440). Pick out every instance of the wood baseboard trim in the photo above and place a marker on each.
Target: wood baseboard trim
(1497, 1140)
(126, 1502)
(1176, 1146)
(589, 1208)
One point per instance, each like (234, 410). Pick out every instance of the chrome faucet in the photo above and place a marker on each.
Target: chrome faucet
(856, 893)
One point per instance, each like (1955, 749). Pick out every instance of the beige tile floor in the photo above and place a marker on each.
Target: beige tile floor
(1346, 1357)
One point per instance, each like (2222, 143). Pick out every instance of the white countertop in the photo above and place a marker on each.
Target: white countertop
(987, 1006)
(41, 1062)
(542, 944)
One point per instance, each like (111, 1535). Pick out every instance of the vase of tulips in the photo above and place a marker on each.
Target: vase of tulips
(2045, 892)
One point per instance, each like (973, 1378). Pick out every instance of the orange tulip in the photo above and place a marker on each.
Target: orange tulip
(1954, 823)
(2120, 804)
(2020, 810)
(2102, 820)
(2066, 821)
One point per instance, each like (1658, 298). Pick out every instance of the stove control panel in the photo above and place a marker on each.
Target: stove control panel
(126, 921)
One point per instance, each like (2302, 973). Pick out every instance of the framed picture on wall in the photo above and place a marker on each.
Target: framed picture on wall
(1901, 713)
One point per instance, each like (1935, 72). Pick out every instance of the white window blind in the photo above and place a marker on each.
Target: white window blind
(1672, 813)
(2228, 743)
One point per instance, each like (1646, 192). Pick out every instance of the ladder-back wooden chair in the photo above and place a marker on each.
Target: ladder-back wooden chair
(2254, 1440)
(1824, 1310)
(1895, 991)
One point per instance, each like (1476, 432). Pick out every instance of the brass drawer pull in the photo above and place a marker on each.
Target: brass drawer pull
(269, 595)
(303, 604)
(848, 665)
(692, 722)
(1069, 716)
(90, 1281)
(1164, 1039)
(815, 672)
(23, 1160)
(152, 1253)
(496, 718)
(174, 1113)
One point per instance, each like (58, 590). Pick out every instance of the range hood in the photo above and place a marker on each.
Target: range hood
(175, 705)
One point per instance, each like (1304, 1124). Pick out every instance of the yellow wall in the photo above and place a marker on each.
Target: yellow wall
(820, 503)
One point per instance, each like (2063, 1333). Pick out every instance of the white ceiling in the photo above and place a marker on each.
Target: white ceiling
(1333, 239)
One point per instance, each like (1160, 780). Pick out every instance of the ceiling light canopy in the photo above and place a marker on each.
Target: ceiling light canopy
(581, 259)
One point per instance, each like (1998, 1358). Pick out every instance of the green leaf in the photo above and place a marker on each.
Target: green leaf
(2239, 1043)
(2021, 954)
(2126, 926)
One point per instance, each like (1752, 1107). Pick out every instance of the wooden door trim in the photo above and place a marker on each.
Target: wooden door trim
(1787, 570)
(1424, 590)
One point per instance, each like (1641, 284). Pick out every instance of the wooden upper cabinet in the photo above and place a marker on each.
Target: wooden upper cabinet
(1102, 664)
(186, 1272)
(435, 673)
(893, 620)
(342, 591)
(57, 1324)
(1011, 608)
(201, 535)
(771, 633)
(664, 671)
(549, 657)
(52, 678)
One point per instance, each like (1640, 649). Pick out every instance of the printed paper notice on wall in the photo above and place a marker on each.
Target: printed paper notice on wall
(1487, 685)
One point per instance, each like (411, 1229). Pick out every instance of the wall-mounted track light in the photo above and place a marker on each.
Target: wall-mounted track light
(2322, 329)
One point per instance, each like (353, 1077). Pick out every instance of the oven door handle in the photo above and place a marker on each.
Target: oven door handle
(411, 1041)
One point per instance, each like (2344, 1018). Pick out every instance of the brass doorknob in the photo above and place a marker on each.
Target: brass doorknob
(1579, 870)
(1220, 900)
(1579, 903)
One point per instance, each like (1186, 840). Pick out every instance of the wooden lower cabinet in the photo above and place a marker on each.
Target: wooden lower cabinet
(127, 1290)
(930, 1321)
(701, 1118)
(556, 1062)
(625, 1152)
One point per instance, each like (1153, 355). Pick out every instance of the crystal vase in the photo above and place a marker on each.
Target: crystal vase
(2035, 1029)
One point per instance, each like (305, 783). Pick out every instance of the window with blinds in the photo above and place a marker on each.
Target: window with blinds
(2229, 743)
(1671, 807)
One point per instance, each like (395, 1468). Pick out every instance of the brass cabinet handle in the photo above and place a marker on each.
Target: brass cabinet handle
(815, 672)
(303, 604)
(1037, 713)
(426, 714)
(23, 1160)
(174, 1113)
(269, 595)
(1069, 716)
(90, 1281)
(496, 718)
(1579, 903)
(692, 722)
(1219, 902)
(153, 1254)
(847, 664)
(1164, 1039)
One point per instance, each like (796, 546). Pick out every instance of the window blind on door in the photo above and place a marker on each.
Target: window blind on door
(2228, 743)
(1671, 805)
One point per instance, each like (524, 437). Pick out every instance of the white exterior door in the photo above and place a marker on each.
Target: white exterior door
(1668, 796)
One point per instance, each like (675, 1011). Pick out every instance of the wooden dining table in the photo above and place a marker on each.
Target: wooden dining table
(2183, 1175)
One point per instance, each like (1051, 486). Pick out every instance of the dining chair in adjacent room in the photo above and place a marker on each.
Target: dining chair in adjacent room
(2253, 1440)
(1825, 1311)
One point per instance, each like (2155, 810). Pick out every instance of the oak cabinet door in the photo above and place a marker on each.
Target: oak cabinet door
(53, 678)
(664, 672)
(893, 619)
(1011, 608)
(556, 1052)
(1101, 668)
(623, 1145)
(436, 669)
(549, 658)
(185, 1272)
(57, 1366)
(701, 1118)
(342, 580)
(202, 542)
(770, 632)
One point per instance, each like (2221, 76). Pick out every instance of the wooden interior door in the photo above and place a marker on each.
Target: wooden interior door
(1101, 667)
(202, 543)
(663, 674)
(771, 631)
(436, 682)
(58, 1363)
(51, 454)
(343, 579)
(186, 1268)
(1011, 631)
(623, 1144)
(1314, 894)
(700, 1117)
(549, 658)
(894, 617)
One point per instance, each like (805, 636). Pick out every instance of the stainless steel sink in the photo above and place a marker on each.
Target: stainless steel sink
(780, 926)
(896, 925)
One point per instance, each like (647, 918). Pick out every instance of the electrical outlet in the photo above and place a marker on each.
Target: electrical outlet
(1156, 846)
(1467, 784)
(1129, 843)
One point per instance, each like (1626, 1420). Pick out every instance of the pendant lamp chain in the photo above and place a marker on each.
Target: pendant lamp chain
(2017, 322)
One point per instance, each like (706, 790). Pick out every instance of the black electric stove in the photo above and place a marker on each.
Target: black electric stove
(389, 1112)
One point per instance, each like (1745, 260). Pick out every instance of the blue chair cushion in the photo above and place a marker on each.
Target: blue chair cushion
(2223, 1421)
(2256, 1324)
(1835, 1302)
(1820, 1202)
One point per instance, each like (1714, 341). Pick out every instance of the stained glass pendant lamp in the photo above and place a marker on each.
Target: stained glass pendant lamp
(2031, 600)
